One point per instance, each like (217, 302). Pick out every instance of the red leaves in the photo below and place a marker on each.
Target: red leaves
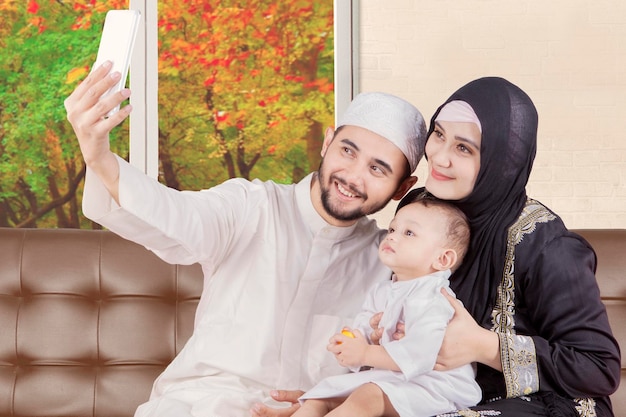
(37, 21)
(33, 7)
(294, 78)
(221, 116)
(210, 81)
(321, 84)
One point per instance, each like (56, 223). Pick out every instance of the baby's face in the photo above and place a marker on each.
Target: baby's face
(414, 241)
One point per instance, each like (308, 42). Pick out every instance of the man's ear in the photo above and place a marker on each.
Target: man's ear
(328, 137)
(446, 260)
(404, 187)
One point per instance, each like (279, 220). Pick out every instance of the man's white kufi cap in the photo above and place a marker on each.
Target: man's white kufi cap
(391, 117)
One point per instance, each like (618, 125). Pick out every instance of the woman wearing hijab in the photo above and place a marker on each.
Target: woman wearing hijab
(538, 329)
(533, 320)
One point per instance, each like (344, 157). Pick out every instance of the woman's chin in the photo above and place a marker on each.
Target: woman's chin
(444, 191)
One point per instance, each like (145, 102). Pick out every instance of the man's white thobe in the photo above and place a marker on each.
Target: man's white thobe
(278, 283)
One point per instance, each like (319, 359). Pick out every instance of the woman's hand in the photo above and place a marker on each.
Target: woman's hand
(262, 410)
(466, 342)
(377, 332)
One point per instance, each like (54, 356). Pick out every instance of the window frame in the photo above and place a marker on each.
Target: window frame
(144, 78)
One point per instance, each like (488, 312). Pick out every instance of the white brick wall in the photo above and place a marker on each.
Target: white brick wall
(568, 55)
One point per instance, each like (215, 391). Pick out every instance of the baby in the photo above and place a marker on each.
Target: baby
(426, 240)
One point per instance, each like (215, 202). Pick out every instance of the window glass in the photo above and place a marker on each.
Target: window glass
(46, 48)
(245, 89)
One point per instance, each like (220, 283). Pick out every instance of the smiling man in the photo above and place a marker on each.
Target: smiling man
(285, 266)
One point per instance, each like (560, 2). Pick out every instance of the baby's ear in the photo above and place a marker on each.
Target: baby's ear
(446, 260)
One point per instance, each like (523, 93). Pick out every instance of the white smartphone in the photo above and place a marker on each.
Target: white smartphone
(116, 45)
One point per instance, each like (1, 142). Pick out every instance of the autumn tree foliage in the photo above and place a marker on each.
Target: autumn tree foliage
(45, 47)
(245, 89)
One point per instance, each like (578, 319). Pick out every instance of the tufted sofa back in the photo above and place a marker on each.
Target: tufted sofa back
(87, 322)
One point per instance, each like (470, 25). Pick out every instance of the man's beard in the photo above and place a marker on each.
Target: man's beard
(334, 210)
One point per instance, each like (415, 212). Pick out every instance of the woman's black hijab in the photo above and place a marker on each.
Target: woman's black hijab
(509, 139)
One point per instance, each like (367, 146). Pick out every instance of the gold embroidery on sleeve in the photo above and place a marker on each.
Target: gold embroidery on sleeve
(519, 361)
(586, 407)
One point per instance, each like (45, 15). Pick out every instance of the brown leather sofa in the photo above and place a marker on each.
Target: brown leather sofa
(88, 320)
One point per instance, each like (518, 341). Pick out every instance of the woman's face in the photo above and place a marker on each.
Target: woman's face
(453, 152)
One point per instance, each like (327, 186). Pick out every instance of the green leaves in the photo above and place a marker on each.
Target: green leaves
(245, 89)
(40, 155)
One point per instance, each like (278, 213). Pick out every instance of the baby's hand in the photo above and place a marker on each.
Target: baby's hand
(349, 348)
(347, 332)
